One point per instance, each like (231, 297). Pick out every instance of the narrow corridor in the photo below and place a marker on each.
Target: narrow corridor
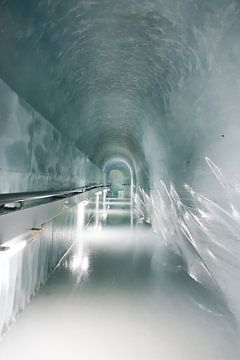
(112, 297)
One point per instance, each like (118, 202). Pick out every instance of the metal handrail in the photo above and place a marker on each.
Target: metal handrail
(22, 214)
(41, 195)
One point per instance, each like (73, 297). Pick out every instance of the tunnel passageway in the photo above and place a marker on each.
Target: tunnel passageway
(111, 298)
(139, 99)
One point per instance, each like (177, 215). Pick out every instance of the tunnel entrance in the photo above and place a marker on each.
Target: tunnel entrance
(120, 183)
(120, 178)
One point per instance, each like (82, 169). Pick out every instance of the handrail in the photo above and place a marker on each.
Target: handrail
(15, 220)
(41, 195)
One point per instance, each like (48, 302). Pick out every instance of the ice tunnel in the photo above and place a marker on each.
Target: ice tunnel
(120, 179)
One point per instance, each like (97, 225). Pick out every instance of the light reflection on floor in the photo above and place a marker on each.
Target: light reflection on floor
(112, 298)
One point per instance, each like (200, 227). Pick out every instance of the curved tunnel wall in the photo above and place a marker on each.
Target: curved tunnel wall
(121, 176)
(129, 75)
(155, 83)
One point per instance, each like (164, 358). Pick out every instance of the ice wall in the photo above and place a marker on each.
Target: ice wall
(195, 167)
(29, 260)
(34, 156)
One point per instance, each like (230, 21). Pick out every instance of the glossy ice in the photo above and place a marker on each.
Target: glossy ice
(120, 294)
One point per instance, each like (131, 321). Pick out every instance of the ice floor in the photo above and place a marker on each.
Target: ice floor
(115, 297)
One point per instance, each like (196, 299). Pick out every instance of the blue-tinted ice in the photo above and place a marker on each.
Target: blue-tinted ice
(121, 293)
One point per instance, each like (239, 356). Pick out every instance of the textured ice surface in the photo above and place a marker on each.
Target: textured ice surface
(34, 155)
(30, 259)
(106, 71)
(202, 232)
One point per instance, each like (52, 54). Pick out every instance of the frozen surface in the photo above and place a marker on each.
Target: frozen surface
(34, 155)
(29, 260)
(203, 230)
(109, 70)
(119, 294)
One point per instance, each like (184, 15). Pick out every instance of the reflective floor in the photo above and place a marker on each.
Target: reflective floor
(118, 295)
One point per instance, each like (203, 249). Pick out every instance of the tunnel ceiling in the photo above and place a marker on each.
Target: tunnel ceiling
(101, 71)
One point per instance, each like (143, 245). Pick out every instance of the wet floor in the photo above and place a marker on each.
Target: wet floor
(118, 295)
